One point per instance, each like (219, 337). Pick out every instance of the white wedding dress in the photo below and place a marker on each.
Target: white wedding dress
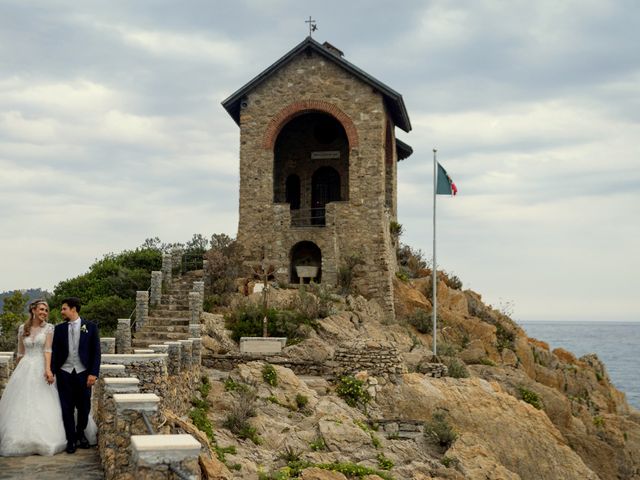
(30, 413)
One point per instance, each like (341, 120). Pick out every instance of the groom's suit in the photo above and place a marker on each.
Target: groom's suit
(72, 385)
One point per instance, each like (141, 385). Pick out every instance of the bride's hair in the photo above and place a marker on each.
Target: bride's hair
(32, 307)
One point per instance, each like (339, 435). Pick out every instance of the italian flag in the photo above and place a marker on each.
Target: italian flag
(445, 184)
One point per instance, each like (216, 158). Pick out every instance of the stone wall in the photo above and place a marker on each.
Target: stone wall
(359, 225)
(6, 367)
(379, 359)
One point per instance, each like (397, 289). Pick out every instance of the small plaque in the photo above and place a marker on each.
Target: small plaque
(327, 155)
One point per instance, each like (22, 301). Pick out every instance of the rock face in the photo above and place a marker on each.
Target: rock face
(525, 412)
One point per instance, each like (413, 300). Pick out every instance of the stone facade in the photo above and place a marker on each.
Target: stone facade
(286, 123)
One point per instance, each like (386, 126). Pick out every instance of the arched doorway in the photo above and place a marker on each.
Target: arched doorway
(311, 166)
(325, 188)
(305, 254)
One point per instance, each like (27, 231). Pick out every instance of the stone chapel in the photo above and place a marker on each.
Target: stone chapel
(318, 164)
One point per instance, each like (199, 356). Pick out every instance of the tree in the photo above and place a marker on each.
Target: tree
(11, 318)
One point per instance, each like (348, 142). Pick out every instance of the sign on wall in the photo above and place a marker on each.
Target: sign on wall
(326, 155)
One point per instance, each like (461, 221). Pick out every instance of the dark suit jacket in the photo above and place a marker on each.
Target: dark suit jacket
(88, 349)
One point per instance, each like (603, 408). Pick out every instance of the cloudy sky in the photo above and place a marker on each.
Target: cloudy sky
(111, 131)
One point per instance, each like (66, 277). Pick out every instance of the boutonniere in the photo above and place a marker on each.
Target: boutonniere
(83, 329)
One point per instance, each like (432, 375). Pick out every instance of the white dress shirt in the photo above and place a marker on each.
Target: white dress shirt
(73, 359)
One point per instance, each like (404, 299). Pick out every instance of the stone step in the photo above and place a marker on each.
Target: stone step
(167, 321)
(166, 313)
(146, 341)
(154, 328)
(161, 337)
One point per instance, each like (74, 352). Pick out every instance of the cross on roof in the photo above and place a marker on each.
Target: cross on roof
(312, 25)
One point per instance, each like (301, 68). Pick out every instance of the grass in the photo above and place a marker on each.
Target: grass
(438, 431)
(353, 391)
(318, 445)
(532, 398)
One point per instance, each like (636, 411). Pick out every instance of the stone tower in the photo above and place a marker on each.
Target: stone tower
(318, 159)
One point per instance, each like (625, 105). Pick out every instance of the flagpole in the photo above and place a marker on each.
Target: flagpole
(434, 275)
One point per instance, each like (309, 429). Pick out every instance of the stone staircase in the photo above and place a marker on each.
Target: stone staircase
(169, 321)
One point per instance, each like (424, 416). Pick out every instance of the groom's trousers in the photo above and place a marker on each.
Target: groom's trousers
(74, 394)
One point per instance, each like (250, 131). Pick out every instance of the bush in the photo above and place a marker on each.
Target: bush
(246, 321)
(439, 431)
(301, 401)
(353, 391)
(411, 261)
(318, 445)
(422, 321)
(313, 304)
(270, 375)
(532, 398)
(383, 462)
(237, 420)
(346, 272)
(504, 338)
(456, 368)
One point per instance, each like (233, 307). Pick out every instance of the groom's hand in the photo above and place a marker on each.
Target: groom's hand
(91, 379)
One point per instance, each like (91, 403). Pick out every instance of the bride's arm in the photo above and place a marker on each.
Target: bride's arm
(47, 356)
(20, 345)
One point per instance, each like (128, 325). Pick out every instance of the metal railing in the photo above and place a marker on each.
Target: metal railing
(309, 217)
(191, 261)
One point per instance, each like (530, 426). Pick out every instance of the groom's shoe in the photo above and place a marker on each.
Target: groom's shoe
(71, 448)
(82, 441)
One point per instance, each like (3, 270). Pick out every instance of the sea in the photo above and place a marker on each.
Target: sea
(615, 343)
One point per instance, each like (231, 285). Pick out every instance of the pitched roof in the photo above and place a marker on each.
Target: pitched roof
(403, 150)
(392, 99)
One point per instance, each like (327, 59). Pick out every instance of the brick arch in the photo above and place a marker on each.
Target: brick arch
(285, 115)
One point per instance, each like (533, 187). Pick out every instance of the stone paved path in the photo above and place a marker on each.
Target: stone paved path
(82, 465)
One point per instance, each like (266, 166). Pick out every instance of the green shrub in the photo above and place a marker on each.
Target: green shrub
(237, 420)
(450, 461)
(402, 275)
(246, 321)
(456, 368)
(504, 338)
(395, 229)
(230, 385)
(270, 375)
(598, 421)
(301, 401)
(411, 261)
(318, 445)
(530, 397)
(289, 454)
(438, 431)
(383, 462)
(353, 391)
(346, 271)
(422, 321)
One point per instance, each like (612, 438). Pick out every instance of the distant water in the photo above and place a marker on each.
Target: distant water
(615, 343)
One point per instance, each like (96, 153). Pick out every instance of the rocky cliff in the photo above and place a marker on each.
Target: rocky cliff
(515, 409)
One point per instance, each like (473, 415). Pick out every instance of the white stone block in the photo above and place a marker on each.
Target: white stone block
(159, 449)
(262, 345)
(140, 402)
(129, 358)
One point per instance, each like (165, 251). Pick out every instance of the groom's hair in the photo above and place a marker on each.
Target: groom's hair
(72, 302)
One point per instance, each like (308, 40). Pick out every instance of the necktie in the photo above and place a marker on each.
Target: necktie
(73, 338)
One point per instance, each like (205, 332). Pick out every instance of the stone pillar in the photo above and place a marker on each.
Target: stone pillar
(128, 422)
(142, 308)
(196, 351)
(207, 275)
(151, 455)
(185, 356)
(167, 270)
(176, 260)
(199, 287)
(107, 445)
(123, 336)
(149, 368)
(156, 288)
(194, 308)
(108, 345)
(6, 363)
(195, 330)
(175, 358)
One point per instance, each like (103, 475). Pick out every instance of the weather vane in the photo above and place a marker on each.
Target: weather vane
(312, 25)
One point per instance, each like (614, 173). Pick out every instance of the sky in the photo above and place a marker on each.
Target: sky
(111, 132)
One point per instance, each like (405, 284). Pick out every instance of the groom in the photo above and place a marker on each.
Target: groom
(75, 361)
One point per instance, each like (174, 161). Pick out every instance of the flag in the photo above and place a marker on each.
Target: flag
(445, 184)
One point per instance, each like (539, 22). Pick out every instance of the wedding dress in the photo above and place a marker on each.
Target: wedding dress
(30, 413)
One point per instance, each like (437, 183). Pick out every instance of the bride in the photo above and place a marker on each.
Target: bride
(30, 413)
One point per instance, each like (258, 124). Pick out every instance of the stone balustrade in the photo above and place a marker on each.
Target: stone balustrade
(108, 344)
(156, 288)
(123, 336)
(167, 270)
(155, 455)
(194, 308)
(142, 308)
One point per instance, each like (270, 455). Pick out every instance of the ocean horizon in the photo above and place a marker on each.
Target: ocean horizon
(614, 342)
